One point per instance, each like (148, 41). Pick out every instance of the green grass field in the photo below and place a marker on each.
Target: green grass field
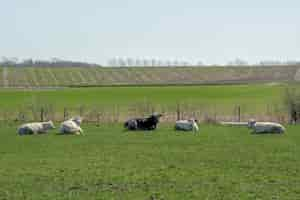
(252, 98)
(108, 163)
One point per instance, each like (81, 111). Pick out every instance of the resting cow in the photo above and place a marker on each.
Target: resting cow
(186, 125)
(35, 128)
(149, 123)
(71, 126)
(266, 127)
(237, 124)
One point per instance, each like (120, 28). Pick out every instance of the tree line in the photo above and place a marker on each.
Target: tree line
(54, 62)
(154, 62)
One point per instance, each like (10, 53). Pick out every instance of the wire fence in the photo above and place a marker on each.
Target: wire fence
(118, 113)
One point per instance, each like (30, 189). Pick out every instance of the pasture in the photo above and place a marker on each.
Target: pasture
(254, 99)
(108, 163)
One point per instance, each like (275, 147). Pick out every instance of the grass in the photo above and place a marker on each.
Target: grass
(253, 98)
(108, 163)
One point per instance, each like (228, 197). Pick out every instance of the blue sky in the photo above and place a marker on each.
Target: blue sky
(94, 30)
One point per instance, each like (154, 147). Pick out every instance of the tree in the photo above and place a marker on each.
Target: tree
(130, 62)
(138, 62)
(238, 62)
(121, 62)
(292, 102)
(199, 63)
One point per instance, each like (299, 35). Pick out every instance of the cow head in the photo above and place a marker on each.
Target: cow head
(155, 117)
(77, 120)
(251, 123)
(48, 125)
(193, 120)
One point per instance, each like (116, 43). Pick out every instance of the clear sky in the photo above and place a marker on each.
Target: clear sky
(213, 31)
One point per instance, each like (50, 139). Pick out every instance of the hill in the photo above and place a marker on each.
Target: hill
(103, 76)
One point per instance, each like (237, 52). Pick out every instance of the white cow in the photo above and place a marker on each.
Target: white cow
(35, 128)
(71, 126)
(186, 125)
(266, 127)
(241, 124)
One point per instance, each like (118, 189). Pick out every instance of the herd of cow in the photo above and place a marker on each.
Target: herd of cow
(72, 126)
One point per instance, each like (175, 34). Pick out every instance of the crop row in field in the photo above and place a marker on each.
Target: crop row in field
(66, 76)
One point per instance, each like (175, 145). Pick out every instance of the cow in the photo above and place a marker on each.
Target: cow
(149, 123)
(235, 124)
(266, 127)
(71, 126)
(186, 125)
(35, 128)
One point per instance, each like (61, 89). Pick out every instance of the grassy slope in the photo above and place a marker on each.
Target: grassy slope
(252, 97)
(107, 163)
(68, 76)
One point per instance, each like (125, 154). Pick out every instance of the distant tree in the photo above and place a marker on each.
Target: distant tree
(238, 62)
(270, 62)
(199, 63)
(169, 63)
(153, 62)
(121, 62)
(146, 62)
(292, 62)
(8, 62)
(175, 63)
(113, 62)
(130, 62)
(53, 62)
(138, 62)
(186, 63)
(27, 63)
(160, 62)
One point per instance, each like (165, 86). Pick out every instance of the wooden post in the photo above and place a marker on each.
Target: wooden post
(65, 113)
(22, 117)
(178, 111)
(81, 109)
(98, 119)
(152, 109)
(239, 113)
(42, 114)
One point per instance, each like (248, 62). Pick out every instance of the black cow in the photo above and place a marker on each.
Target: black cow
(148, 123)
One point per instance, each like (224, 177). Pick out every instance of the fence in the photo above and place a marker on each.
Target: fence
(118, 113)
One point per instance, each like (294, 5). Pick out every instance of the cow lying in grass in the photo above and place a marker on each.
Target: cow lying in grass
(35, 128)
(72, 126)
(186, 125)
(241, 124)
(266, 127)
(149, 123)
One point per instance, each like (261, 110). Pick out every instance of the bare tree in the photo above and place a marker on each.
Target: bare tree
(130, 62)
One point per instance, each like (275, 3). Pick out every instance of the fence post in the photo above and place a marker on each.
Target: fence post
(42, 114)
(98, 119)
(65, 113)
(152, 109)
(178, 111)
(81, 110)
(116, 113)
(239, 113)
